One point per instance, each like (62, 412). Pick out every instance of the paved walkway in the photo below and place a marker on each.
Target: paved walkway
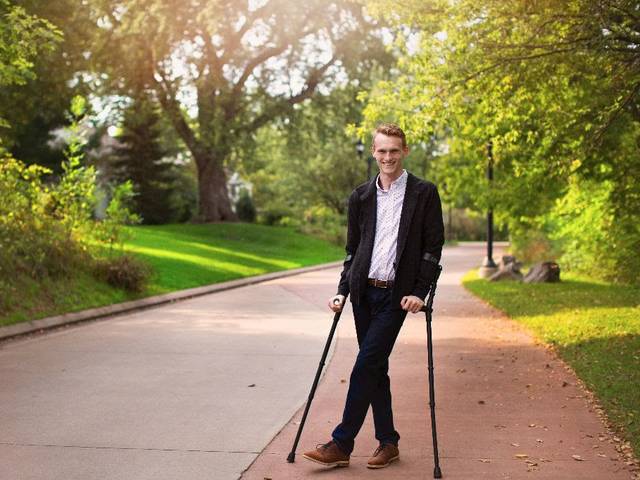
(186, 391)
(197, 389)
(506, 407)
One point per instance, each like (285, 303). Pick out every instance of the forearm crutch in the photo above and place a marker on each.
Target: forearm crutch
(428, 309)
(292, 455)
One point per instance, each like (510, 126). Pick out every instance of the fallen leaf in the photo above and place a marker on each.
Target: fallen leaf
(252, 385)
(342, 380)
(532, 424)
(481, 402)
(521, 455)
(484, 460)
(539, 440)
(578, 458)
(515, 444)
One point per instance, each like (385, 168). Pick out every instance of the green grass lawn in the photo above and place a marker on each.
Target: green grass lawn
(186, 256)
(594, 327)
(182, 256)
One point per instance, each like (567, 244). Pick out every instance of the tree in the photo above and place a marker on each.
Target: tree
(22, 38)
(552, 84)
(38, 106)
(221, 70)
(139, 156)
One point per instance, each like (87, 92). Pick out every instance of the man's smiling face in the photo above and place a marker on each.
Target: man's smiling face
(389, 153)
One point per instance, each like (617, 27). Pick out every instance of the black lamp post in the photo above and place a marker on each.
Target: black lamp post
(360, 150)
(488, 265)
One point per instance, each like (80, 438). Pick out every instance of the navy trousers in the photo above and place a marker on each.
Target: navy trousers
(377, 326)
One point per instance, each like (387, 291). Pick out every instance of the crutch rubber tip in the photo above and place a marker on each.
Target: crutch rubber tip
(437, 473)
(291, 458)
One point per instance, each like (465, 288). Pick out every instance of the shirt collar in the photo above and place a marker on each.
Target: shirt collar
(398, 182)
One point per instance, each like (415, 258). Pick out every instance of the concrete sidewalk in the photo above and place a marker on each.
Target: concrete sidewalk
(191, 390)
(506, 407)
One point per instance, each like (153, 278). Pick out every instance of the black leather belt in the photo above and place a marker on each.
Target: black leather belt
(380, 283)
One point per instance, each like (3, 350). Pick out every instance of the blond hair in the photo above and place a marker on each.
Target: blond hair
(390, 130)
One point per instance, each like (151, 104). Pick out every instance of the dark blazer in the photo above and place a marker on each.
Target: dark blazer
(420, 240)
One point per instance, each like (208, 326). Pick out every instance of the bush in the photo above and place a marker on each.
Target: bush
(36, 238)
(245, 209)
(50, 231)
(124, 271)
(594, 238)
(324, 223)
(530, 245)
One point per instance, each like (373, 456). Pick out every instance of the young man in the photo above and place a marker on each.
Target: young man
(394, 242)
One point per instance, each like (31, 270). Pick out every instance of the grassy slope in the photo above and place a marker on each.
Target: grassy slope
(187, 256)
(183, 256)
(594, 326)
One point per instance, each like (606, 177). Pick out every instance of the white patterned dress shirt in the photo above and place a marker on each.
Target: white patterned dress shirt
(389, 208)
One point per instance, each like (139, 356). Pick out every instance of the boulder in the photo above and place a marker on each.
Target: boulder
(508, 269)
(506, 260)
(543, 272)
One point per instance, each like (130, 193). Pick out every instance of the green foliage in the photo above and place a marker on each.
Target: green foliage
(303, 170)
(552, 85)
(594, 327)
(245, 208)
(323, 222)
(118, 213)
(37, 107)
(45, 228)
(248, 64)
(593, 239)
(142, 157)
(182, 256)
(33, 242)
(48, 231)
(73, 199)
(22, 38)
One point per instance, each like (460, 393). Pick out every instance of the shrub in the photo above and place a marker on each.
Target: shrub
(530, 244)
(35, 239)
(245, 209)
(50, 231)
(124, 271)
(324, 223)
(595, 238)
(109, 230)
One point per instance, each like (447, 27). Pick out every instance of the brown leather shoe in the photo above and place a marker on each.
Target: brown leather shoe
(329, 455)
(383, 456)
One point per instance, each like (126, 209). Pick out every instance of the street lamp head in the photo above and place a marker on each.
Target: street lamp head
(360, 147)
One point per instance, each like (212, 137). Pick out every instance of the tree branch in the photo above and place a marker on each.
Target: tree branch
(235, 40)
(627, 101)
(170, 105)
(315, 76)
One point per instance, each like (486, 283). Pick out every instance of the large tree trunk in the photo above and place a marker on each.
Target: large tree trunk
(213, 199)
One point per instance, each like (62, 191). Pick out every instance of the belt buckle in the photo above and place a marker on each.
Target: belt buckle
(380, 283)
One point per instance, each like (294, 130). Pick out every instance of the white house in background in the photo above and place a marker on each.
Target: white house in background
(235, 185)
